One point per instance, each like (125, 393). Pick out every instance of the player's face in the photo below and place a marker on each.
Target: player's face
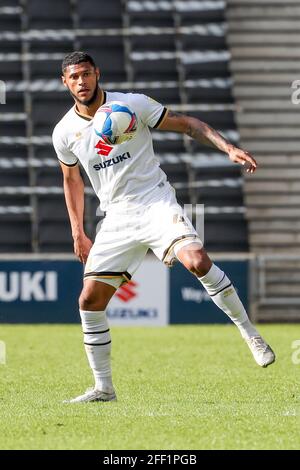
(82, 82)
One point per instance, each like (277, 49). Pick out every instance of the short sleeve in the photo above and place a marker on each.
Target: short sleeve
(64, 155)
(150, 111)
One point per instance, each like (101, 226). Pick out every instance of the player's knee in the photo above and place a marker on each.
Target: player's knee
(196, 267)
(199, 264)
(88, 301)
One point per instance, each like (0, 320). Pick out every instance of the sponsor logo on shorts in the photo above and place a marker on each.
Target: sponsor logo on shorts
(112, 161)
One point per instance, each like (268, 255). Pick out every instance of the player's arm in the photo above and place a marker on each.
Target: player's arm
(74, 195)
(206, 135)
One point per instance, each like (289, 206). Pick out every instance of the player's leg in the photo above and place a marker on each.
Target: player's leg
(114, 257)
(175, 237)
(97, 340)
(93, 301)
(194, 257)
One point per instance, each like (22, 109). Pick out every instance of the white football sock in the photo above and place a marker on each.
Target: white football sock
(224, 295)
(97, 343)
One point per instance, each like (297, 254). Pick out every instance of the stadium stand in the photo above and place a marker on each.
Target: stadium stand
(263, 36)
(175, 51)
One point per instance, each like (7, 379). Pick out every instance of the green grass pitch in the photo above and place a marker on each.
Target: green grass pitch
(179, 387)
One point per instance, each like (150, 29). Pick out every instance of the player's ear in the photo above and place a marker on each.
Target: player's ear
(63, 79)
(97, 70)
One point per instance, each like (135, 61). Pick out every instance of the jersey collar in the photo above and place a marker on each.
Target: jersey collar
(86, 117)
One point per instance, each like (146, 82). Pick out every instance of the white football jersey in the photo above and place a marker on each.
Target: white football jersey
(120, 173)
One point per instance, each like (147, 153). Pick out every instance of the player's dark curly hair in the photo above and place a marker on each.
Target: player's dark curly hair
(76, 57)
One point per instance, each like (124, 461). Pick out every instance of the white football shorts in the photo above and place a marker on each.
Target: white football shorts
(125, 235)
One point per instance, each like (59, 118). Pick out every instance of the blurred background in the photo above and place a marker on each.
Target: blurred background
(229, 63)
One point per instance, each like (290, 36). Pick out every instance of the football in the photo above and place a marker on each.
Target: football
(115, 123)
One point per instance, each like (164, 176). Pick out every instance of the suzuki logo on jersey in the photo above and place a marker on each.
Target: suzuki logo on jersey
(26, 286)
(127, 291)
(112, 161)
(104, 149)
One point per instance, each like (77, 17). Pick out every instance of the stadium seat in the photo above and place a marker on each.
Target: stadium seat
(49, 177)
(187, 16)
(15, 234)
(13, 176)
(164, 94)
(202, 42)
(55, 236)
(229, 231)
(14, 102)
(223, 119)
(12, 70)
(109, 55)
(198, 94)
(12, 21)
(50, 14)
(56, 103)
(155, 69)
(46, 69)
(153, 42)
(12, 127)
(92, 14)
(143, 18)
(194, 70)
(46, 46)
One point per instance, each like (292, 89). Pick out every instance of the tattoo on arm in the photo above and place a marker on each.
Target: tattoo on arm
(174, 114)
(202, 132)
(205, 135)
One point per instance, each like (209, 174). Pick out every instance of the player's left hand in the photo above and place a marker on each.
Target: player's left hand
(244, 158)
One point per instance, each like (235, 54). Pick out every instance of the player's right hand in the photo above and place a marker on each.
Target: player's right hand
(243, 157)
(82, 246)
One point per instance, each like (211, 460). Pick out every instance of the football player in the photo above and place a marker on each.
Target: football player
(141, 212)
